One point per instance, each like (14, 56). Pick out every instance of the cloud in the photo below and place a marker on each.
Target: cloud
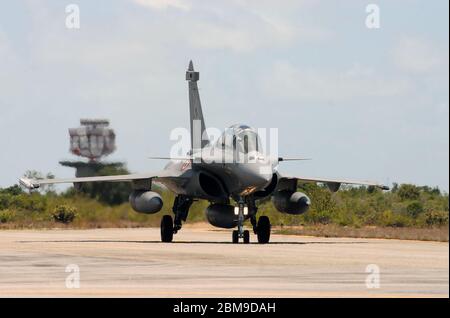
(164, 4)
(239, 26)
(285, 80)
(3, 42)
(417, 55)
(238, 36)
(6, 50)
(12, 69)
(127, 64)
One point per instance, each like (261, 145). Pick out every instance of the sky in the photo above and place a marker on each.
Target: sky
(363, 103)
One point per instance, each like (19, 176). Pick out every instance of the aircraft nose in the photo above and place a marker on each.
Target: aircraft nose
(266, 176)
(260, 175)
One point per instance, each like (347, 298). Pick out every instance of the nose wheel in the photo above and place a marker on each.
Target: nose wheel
(245, 237)
(241, 211)
(235, 237)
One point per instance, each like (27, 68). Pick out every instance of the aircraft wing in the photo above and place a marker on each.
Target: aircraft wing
(136, 178)
(333, 184)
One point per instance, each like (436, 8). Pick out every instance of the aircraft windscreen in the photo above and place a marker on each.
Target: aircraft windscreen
(242, 138)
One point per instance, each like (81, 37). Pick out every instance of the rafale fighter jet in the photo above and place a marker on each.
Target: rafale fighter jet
(233, 174)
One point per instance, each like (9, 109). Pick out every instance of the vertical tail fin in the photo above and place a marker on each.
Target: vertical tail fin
(199, 138)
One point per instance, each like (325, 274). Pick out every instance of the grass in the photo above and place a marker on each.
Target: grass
(407, 212)
(439, 234)
(123, 217)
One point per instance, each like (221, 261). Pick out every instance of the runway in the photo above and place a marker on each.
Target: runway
(203, 263)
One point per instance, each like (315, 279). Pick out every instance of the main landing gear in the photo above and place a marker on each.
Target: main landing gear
(166, 229)
(261, 228)
(169, 227)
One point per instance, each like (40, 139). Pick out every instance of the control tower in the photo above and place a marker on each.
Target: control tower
(93, 140)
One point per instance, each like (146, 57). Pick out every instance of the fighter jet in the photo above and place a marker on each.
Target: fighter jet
(233, 173)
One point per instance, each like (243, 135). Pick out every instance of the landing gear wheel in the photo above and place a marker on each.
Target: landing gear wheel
(166, 229)
(263, 230)
(246, 237)
(235, 237)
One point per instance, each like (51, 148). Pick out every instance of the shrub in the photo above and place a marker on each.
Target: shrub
(431, 191)
(34, 202)
(13, 190)
(392, 219)
(6, 216)
(5, 200)
(105, 192)
(64, 214)
(436, 218)
(408, 192)
(345, 218)
(318, 217)
(414, 209)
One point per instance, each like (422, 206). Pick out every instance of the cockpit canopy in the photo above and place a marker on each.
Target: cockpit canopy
(241, 138)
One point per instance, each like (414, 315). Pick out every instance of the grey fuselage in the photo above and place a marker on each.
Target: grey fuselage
(219, 171)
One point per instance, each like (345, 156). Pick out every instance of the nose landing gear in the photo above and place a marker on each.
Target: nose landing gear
(241, 211)
(245, 237)
(261, 228)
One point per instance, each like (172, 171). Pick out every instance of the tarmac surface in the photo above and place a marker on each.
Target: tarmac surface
(203, 263)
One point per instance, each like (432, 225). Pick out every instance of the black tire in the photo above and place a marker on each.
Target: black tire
(246, 237)
(166, 229)
(263, 230)
(235, 237)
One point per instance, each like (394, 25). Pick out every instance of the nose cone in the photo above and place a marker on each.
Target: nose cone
(256, 175)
